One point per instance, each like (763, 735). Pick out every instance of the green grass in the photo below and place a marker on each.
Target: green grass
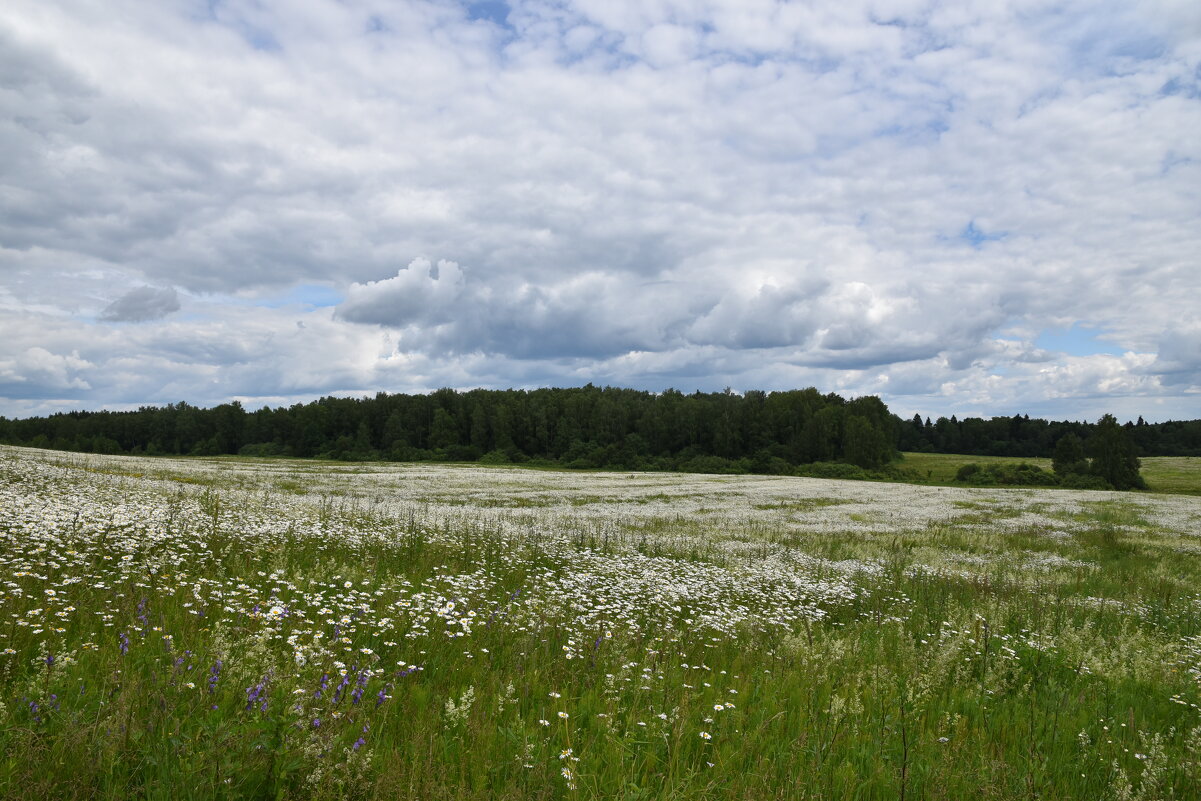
(475, 657)
(1176, 474)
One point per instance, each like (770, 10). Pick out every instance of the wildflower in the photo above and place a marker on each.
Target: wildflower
(214, 675)
(254, 693)
(706, 735)
(564, 715)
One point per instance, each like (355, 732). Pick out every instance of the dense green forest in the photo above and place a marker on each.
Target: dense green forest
(580, 427)
(794, 432)
(1022, 436)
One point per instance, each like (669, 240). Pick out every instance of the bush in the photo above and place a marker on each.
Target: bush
(495, 457)
(766, 464)
(965, 472)
(832, 470)
(1022, 475)
(1086, 481)
(711, 464)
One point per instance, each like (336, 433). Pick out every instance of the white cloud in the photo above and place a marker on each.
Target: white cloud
(867, 196)
(141, 304)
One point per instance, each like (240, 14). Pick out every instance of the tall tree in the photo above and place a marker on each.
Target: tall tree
(1069, 456)
(1113, 455)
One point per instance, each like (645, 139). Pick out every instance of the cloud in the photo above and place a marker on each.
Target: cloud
(1178, 356)
(142, 304)
(418, 294)
(890, 196)
(35, 371)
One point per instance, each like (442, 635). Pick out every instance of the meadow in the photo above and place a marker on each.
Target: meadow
(233, 628)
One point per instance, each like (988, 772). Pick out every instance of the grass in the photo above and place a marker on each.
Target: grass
(1176, 474)
(281, 634)
(940, 468)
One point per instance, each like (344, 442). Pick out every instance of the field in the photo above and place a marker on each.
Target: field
(195, 629)
(1173, 474)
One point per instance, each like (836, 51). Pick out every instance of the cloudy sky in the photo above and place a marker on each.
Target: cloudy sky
(964, 207)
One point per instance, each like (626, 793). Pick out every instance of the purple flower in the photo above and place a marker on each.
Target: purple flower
(124, 642)
(214, 675)
(342, 685)
(254, 693)
(360, 686)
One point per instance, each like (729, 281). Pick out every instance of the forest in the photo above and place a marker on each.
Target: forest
(584, 427)
(1022, 435)
(789, 432)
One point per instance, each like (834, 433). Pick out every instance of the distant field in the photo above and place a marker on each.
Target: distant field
(1180, 474)
(230, 629)
(1174, 474)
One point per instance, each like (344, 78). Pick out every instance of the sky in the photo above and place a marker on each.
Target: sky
(971, 208)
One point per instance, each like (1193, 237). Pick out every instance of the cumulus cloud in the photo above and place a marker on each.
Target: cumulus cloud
(35, 370)
(891, 196)
(142, 304)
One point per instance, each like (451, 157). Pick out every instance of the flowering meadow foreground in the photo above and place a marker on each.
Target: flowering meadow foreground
(195, 629)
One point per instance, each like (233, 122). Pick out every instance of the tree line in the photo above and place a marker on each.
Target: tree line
(584, 427)
(1021, 435)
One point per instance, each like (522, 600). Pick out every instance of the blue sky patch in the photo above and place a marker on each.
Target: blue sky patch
(1077, 340)
(314, 295)
(490, 10)
(976, 236)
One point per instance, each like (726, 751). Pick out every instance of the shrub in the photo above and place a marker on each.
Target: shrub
(1086, 481)
(1022, 474)
(832, 470)
(495, 457)
(966, 472)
